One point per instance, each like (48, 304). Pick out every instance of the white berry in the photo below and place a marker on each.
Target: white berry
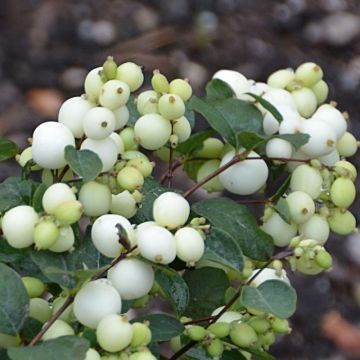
(190, 245)
(99, 123)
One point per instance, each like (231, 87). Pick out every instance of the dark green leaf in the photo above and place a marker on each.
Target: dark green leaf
(163, 326)
(296, 140)
(217, 89)
(259, 354)
(194, 142)
(282, 189)
(8, 149)
(14, 301)
(233, 355)
(239, 224)
(133, 111)
(268, 106)
(3, 354)
(174, 286)
(273, 296)
(85, 163)
(249, 140)
(37, 197)
(282, 208)
(65, 348)
(30, 329)
(207, 288)
(198, 353)
(8, 254)
(192, 168)
(190, 116)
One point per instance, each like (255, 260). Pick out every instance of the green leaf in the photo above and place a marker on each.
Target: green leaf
(30, 329)
(174, 286)
(249, 140)
(133, 111)
(8, 149)
(8, 254)
(192, 168)
(273, 296)
(194, 142)
(85, 163)
(14, 301)
(207, 288)
(217, 89)
(3, 354)
(296, 140)
(232, 355)
(282, 208)
(239, 224)
(268, 106)
(37, 197)
(282, 189)
(163, 326)
(64, 347)
(190, 116)
(198, 353)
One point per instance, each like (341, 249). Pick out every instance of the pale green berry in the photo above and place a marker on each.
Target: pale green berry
(133, 154)
(268, 274)
(46, 232)
(105, 234)
(181, 128)
(105, 149)
(321, 91)
(8, 341)
(99, 123)
(190, 245)
(307, 179)
(347, 145)
(343, 192)
(342, 222)
(182, 88)
(301, 206)
(175, 343)
(316, 228)
(211, 149)
(144, 354)
(109, 68)
(278, 148)
(33, 286)
(174, 141)
(48, 144)
(96, 198)
(306, 101)
(268, 338)
(55, 195)
(25, 157)
(39, 309)
(348, 167)
(227, 317)
(143, 165)
(171, 210)
(92, 354)
(114, 333)
(132, 278)
(220, 329)
(122, 116)
(280, 325)
(323, 259)
(281, 78)
(72, 113)
(113, 94)
(159, 82)
(147, 102)
(280, 230)
(69, 212)
(243, 335)
(207, 168)
(309, 73)
(95, 300)
(128, 137)
(259, 324)
(65, 241)
(93, 82)
(57, 329)
(116, 138)
(171, 106)
(123, 204)
(131, 74)
(19, 236)
(307, 266)
(68, 314)
(152, 131)
(130, 178)
(141, 334)
(215, 349)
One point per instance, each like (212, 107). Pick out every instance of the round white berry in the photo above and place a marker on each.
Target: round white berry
(281, 78)
(182, 129)
(307, 179)
(237, 81)
(278, 148)
(171, 106)
(131, 74)
(147, 102)
(190, 245)
(278, 97)
(316, 228)
(56, 195)
(301, 206)
(65, 241)
(114, 94)
(268, 274)
(227, 316)
(99, 123)
(330, 159)
(123, 204)
(57, 329)
(93, 83)
(121, 117)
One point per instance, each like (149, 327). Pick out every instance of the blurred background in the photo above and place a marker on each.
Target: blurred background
(48, 46)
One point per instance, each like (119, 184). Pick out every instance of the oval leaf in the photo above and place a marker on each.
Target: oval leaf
(268, 106)
(8, 149)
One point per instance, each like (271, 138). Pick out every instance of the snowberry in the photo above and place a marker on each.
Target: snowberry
(171, 210)
(189, 245)
(220, 329)
(19, 236)
(106, 149)
(215, 348)
(141, 334)
(96, 198)
(211, 149)
(92, 354)
(316, 228)
(245, 177)
(123, 204)
(171, 106)
(131, 74)
(25, 157)
(270, 124)
(259, 324)
(95, 300)
(130, 178)
(309, 73)
(347, 167)
(128, 137)
(322, 138)
(298, 155)
(307, 266)
(48, 144)
(195, 332)
(93, 83)
(159, 82)
(109, 68)
(278, 97)
(46, 232)
(116, 138)
(99, 123)
(33, 286)
(143, 165)
(268, 274)
(152, 131)
(243, 335)
(237, 81)
(307, 179)
(142, 355)
(57, 329)
(121, 117)
(291, 125)
(347, 145)
(114, 333)
(69, 212)
(323, 259)
(55, 195)
(281, 78)
(206, 169)
(156, 244)
(227, 317)
(321, 91)
(301, 206)
(182, 88)
(39, 309)
(342, 222)
(113, 94)
(147, 102)
(72, 112)
(105, 234)
(290, 116)
(278, 148)
(259, 88)
(280, 326)
(305, 100)
(342, 192)
(133, 154)
(280, 230)
(132, 278)
(65, 241)
(182, 129)
(330, 159)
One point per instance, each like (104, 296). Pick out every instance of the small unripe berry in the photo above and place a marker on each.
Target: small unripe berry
(347, 145)
(141, 334)
(268, 338)
(128, 137)
(109, 68)
(216, 348)
(343, 192)
(131, 74)
(309, 73)
(190, 245)
(65, 241)
(171, 106)
(147, 102)
(46, 232)
(57, 329)
(113, 94)
(342, 222)
(33, 286)
(69, 212)
(130, 178)
(55, 195)
(316, 228)
(196, 332)
(306, 101)
(281, 78)
(25, 157)
(227, 317)
(96, 198)
(321, 91)
(93, 83)
(307, 179)
(39, 309)
(160, 83)
(182, 88)
(259, 324)
(143, 165)
(8, 341)
(349, 168)
(220, 329)
(243, 335)
(323, 259)
(280, 325)
(207, 168)
(211, 149)
(92, 354)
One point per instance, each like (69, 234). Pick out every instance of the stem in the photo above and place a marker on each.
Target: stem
(177, 163)
(170, 166)
(253, 201)
(63, 172)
